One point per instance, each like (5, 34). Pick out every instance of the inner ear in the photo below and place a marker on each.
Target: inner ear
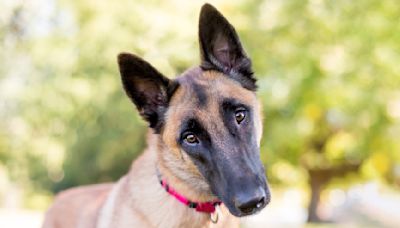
(221, 49)
(224, 52)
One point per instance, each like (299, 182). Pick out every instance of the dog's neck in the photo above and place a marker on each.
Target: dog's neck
(160, 208)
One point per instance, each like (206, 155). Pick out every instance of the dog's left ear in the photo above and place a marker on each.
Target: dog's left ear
(221, 49)
(149, 90)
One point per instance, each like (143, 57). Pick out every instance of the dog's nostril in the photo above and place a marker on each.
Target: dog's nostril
(260, 203)
(250, 206)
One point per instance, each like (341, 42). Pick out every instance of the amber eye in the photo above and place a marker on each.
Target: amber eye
(239, 116)
(191, 139)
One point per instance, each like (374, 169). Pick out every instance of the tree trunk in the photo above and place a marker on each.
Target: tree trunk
(316, 187)
(318, 179)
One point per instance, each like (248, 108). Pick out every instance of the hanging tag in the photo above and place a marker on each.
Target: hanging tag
(215, 215)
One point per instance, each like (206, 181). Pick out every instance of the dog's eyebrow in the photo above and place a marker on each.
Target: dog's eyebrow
(193, 125)
(232, 103)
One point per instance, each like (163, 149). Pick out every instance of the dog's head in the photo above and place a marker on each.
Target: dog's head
(207, 120)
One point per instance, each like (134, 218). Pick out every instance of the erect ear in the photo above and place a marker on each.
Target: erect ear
(148, 89)
(221, 49)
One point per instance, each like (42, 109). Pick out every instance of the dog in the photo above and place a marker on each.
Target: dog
(201, 167)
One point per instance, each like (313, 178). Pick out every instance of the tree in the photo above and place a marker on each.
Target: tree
(331, 88)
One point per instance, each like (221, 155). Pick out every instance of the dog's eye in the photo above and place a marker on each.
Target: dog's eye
(240, 115)
(191, 139)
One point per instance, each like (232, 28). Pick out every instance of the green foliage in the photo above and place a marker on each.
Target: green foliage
(328, 74)
(332, 84)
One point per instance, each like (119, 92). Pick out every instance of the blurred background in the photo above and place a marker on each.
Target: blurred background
(328, 75)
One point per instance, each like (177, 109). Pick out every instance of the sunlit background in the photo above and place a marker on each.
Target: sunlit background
(328, 75)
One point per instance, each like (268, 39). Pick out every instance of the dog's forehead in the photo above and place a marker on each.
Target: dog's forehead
(200, 95)
(203, 89)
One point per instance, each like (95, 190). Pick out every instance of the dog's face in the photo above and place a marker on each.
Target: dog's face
(208, 120)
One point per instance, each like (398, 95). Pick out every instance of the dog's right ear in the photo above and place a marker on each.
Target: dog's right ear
(220, 48)
(147, 88)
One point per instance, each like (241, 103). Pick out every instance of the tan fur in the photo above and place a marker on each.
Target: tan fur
(137, 199)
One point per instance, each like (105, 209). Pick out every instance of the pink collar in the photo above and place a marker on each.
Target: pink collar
(206, 207)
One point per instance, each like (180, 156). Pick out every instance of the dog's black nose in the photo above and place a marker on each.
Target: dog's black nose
(250, 203)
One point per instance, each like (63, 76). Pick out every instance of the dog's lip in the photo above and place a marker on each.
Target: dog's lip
(255, 211)
(237, 213)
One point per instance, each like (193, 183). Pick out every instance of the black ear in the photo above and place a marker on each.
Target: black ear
(221, 49)
(148, 89)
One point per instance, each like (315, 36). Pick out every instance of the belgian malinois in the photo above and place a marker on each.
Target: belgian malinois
(202, 166)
